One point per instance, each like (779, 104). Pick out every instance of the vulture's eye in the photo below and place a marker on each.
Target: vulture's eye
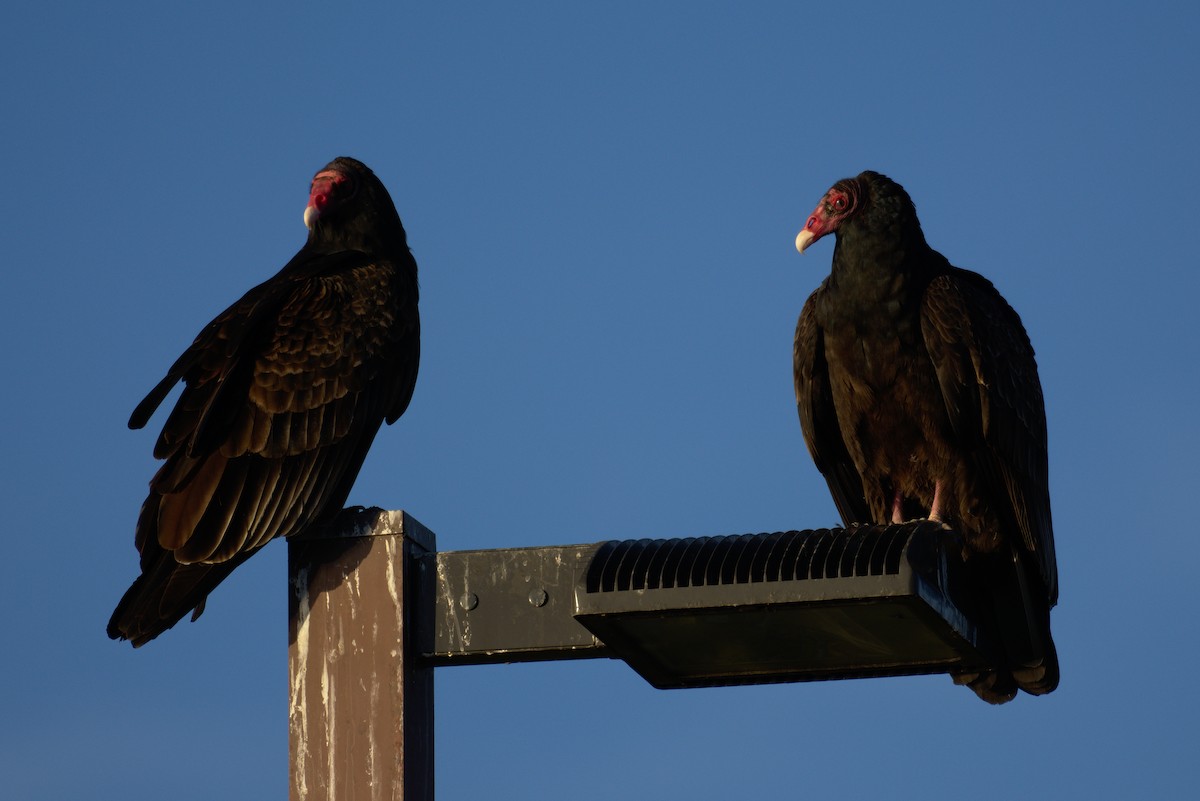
(839, 204)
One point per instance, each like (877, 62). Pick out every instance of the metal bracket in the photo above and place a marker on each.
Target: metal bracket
(700, 611)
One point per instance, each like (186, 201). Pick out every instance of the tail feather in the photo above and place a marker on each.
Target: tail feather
(1000, 686)
(1014, 610)
(993, 686)
(165, 592)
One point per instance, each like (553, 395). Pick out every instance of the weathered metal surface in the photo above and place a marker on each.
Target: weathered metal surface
(700, 611)
(374, 608)
(511, 605)
(361, 702)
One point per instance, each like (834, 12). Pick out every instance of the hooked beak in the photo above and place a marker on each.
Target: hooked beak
(804, 239)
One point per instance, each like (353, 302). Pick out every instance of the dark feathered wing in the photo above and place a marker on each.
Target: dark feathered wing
(283, 394)
(818, 417)
(988, 377)
(989, 381)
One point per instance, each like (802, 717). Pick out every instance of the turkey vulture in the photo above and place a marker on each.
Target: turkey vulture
(919, 397)
(283, 394)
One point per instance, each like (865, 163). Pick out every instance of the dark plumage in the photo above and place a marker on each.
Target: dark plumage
(919, 397)
(283, 394)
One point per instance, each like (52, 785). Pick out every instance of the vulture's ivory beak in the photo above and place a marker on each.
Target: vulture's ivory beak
(804, 239)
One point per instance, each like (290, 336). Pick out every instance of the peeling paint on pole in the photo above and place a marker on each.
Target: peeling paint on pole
(361, 704)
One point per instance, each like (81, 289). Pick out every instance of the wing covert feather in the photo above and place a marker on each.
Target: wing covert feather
(819, 420)
(988, 376)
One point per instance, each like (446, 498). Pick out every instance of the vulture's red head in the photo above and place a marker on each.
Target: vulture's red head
(331, 189)
(350, 209)
(839, 204)
(868, 202)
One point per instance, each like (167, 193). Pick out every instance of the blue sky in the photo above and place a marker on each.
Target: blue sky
(602, 200)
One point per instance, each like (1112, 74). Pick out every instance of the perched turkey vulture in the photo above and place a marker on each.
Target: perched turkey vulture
(283, 394)
(919, 397)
